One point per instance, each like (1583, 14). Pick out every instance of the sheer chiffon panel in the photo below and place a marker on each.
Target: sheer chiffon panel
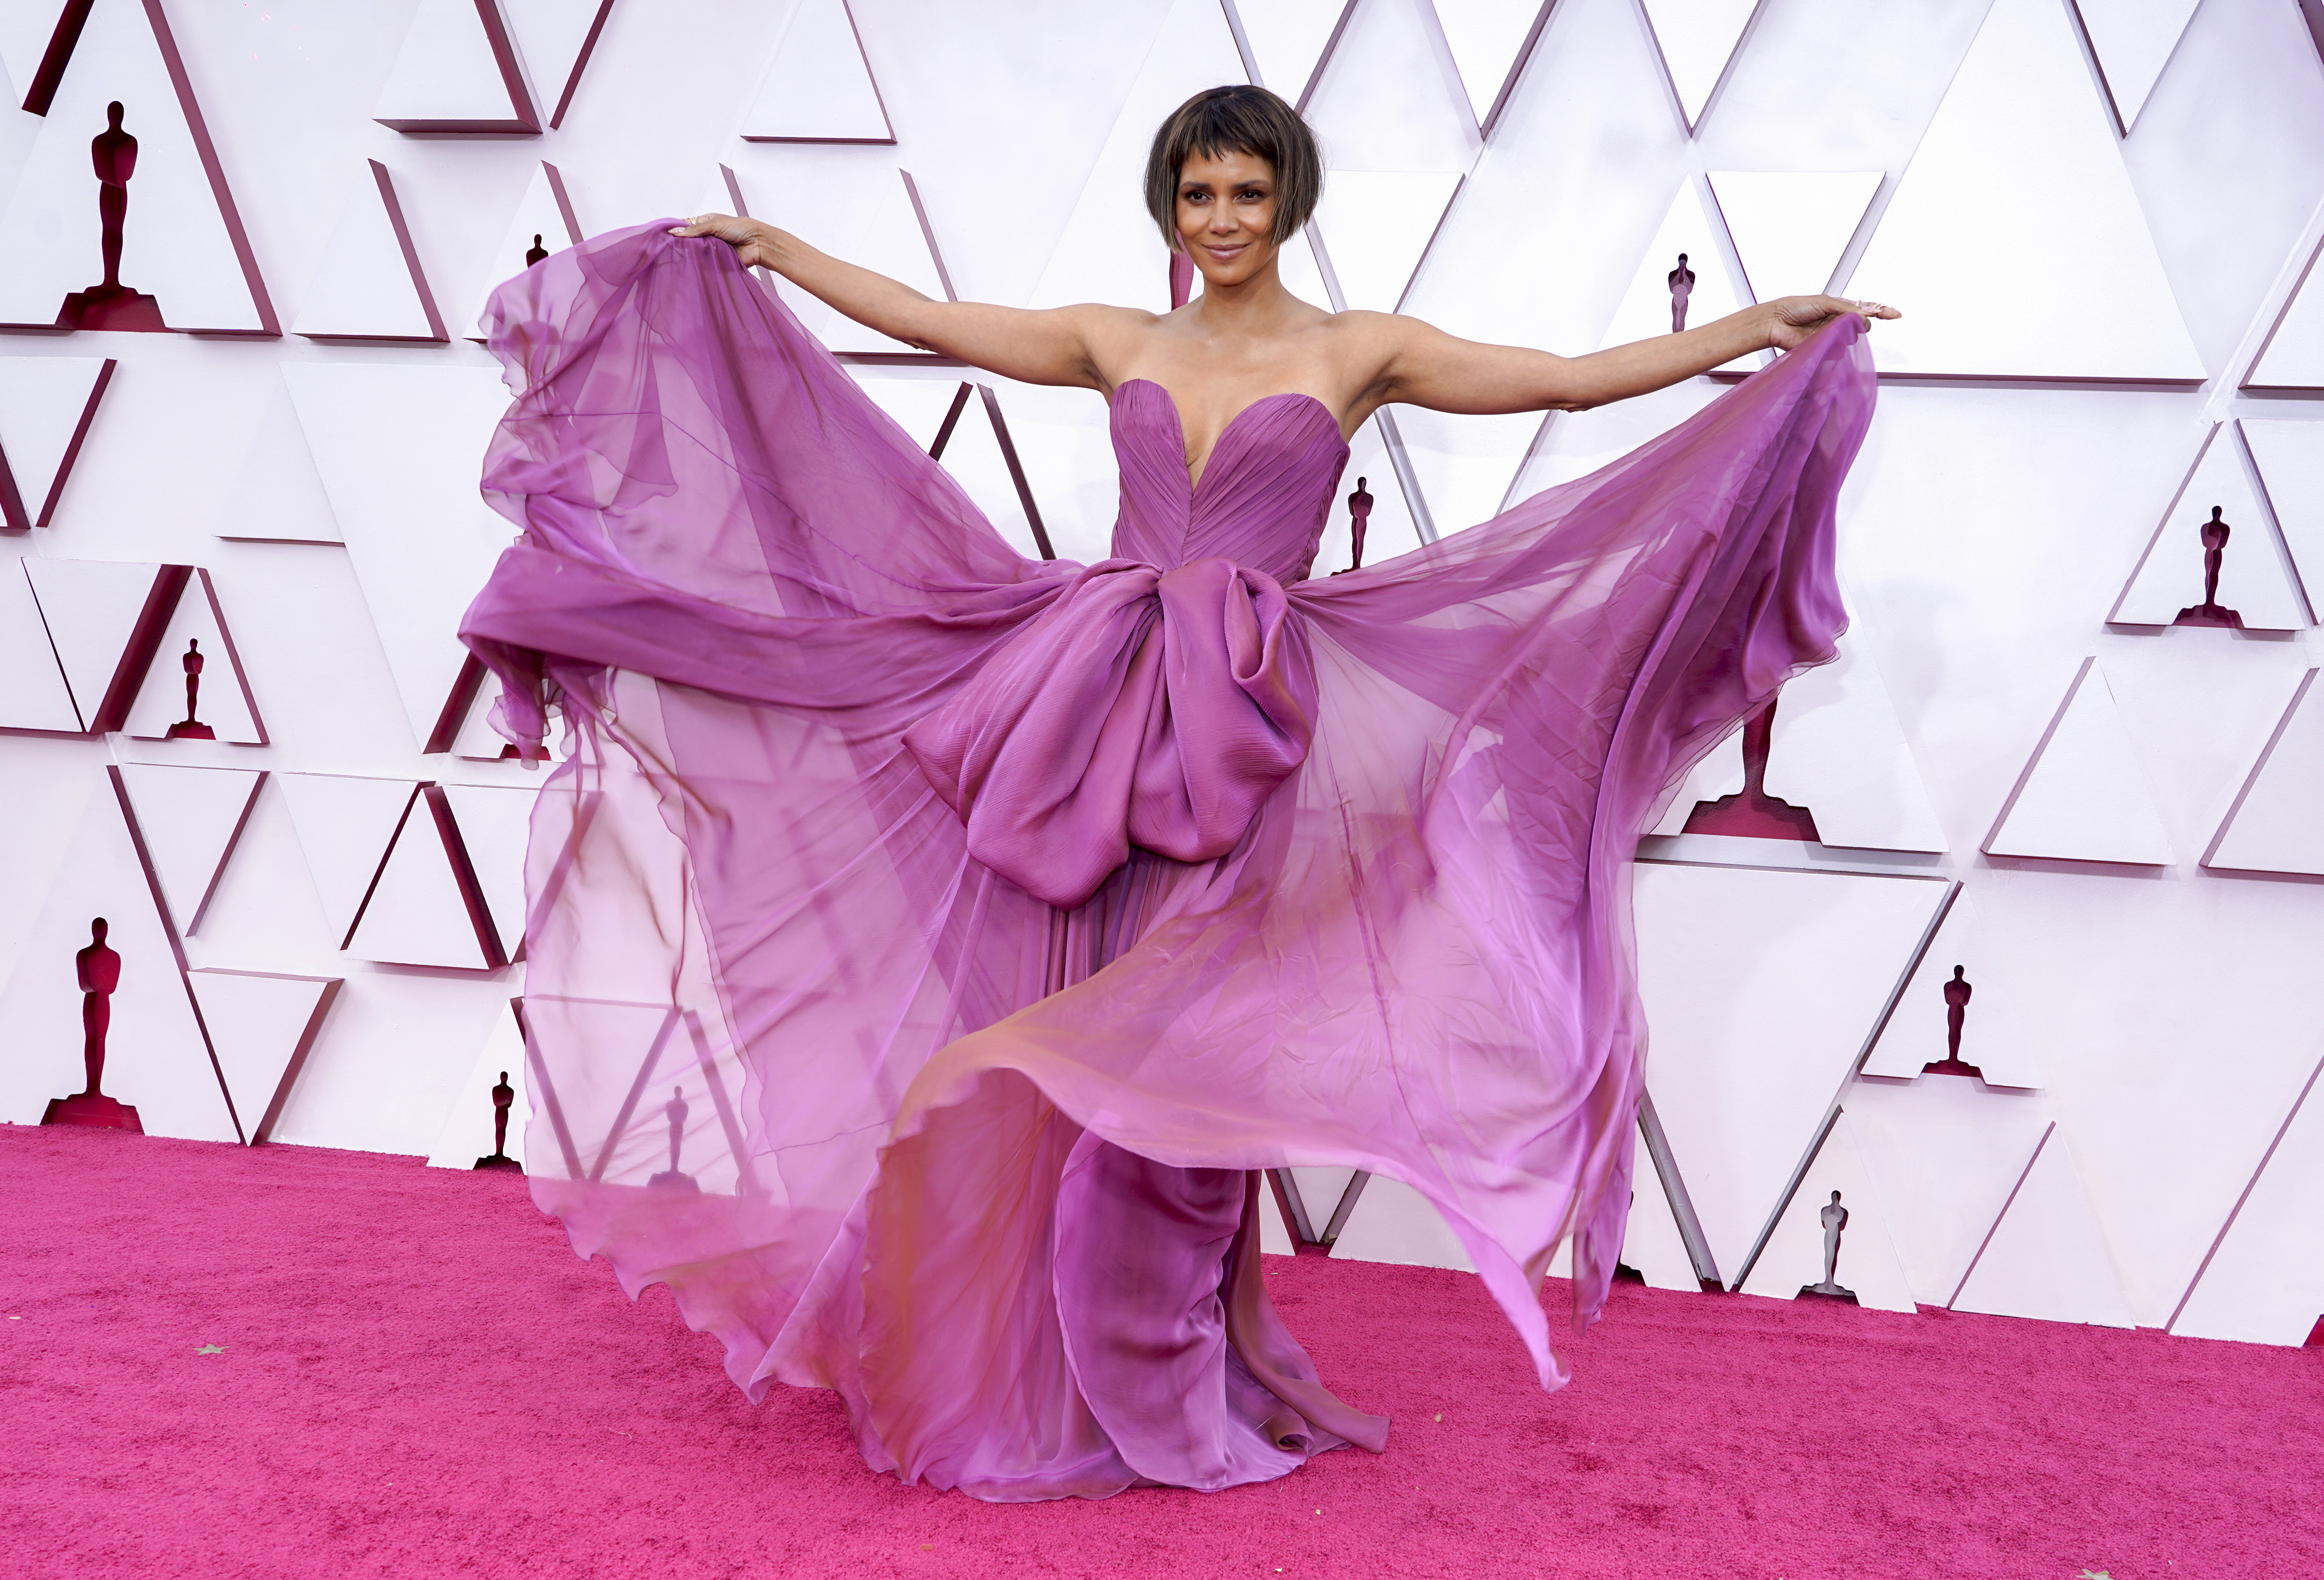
(921, 1091)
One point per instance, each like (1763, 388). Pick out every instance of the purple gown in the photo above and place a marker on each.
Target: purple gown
(999, 919)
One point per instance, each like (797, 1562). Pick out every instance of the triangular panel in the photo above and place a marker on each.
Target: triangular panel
(889, 238)
(1697, 39)
(2263, 1282)
(468, 1133)
(345, 827)
(2277, 821)
(1648, 308)
(47, 404)
(1651, 1243)
(196, 647)
(1291, 39)
(104, 620)
(2290, 457)
(1868, 1264)
(1761, 986)
(2047, 1257)
(182, 242)
(2083, 795)
(1392, 1222)
(2292, 357)
(458, 74)
(421, 538)
(1944, 1155)
(2256, 580)
(1792, 227)
(33, 690)
(192, 818)
(544, 222)
(278, 496)
(557, 39)
(1394, 215)
(1919, 1030)
(263, 1026)
(423, 910)
(1837, 749)
(493, 823)
(370, 285)
(156, 1059)
(819, 86)
(1490, 41)
(2020, 177)
(2133, 40)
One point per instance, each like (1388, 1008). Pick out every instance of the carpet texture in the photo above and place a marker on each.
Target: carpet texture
(293, 1361)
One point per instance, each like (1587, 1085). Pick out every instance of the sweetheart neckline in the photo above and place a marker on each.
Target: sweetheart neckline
(1178, 418)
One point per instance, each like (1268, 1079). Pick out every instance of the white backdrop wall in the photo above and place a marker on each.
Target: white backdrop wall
(2099, 220)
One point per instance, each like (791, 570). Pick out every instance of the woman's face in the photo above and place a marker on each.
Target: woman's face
(1226, 215)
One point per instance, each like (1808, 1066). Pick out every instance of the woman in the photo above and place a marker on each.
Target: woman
(1010, 914)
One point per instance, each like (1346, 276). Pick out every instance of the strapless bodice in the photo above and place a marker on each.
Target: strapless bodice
(1262, 498)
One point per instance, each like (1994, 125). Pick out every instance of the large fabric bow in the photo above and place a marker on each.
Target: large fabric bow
(1144, 707)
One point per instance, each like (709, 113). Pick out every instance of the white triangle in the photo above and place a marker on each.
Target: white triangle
(421, 540)
(263, 1026)
(2083, 796)
(2020, 177)
(155, 1060)
(2133, 40)
(1385, 220)
(468, 1133)
(1697, 39)
(2293, 356)
(278, 496)
(91, 608)
(552, 35)
(2264, 1283)
(1992, 1038)
(344, 826)
(819, 87)
(33, 690)
(1837, 750)
(24, 34)
(1575, 444)
(478, 741)
(1791, 227)
(882, 234)
(2255, 580)
(1487, 38)
(1110, 250)
(494, 823)
(1868, 1262)
(1761, 986)
(222, 698)
(2290, 457)
(2273, 826)
(46, 406)
(973, 457)
(370, 285)
(1288, 39)
(920, 406)
(190, 818)
(180, 238)
(1392, 1222)
(546, 219)
(1944, 1155)
(1320, 1189)
(2047, 1257)
(1652, 1243)
(417, 915)
(1465, 463)
(1719, 774)
(447, 78)
(1645, 309)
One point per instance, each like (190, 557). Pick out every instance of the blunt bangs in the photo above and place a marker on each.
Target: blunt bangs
(1241, 119)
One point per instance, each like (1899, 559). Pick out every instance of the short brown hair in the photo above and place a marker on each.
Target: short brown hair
(1242, 119)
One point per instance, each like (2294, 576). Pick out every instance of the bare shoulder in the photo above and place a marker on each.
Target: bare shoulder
(1366, 345)
(1109, 335)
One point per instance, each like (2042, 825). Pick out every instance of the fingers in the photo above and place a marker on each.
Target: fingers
(701, 225)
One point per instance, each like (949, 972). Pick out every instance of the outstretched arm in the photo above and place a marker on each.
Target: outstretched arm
(1421, 366)
(1045, 346)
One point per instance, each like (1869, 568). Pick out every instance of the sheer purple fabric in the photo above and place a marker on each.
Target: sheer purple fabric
(992, 921)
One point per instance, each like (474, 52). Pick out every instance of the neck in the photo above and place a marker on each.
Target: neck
(1244, 307)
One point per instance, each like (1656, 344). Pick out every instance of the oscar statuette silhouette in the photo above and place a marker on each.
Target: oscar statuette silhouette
(97, 969)
(1835, 1219)
(111, 304)
(504, 1099)
(1957, 995)
(190, 727)
(2214, 533)
(1751, 813)
(1682, 285)
(672, 1177)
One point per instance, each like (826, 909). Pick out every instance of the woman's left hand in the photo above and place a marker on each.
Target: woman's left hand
(1792, 319)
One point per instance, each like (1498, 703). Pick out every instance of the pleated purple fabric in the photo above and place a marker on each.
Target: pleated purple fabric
(991, 922)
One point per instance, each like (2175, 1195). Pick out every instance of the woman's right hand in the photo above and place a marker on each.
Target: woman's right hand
(753, 243)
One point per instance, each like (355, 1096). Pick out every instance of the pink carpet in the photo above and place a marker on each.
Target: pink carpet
(410, 1375)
